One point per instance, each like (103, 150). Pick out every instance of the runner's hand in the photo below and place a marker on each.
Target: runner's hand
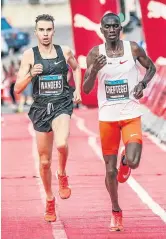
(138, 91)
(37, 69)
(77, 97)
(99, 62)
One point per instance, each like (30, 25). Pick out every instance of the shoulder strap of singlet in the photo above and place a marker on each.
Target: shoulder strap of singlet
(36, 52)
(127, 49)
(102, 49)
(59, 52)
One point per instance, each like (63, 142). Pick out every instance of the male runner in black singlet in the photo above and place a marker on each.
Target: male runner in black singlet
(46, 66)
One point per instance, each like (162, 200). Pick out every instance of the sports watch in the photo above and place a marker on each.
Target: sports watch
(144, 84)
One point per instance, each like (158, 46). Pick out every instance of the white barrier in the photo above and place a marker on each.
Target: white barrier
(154, 125)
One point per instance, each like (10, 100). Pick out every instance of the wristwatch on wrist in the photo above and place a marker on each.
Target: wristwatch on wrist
(144, 84)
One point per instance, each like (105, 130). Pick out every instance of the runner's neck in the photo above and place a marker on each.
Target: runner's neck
(113, 46)
(46, 50)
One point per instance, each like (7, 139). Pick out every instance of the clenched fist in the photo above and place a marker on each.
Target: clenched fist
(138, 91)
(99, 62)
(37, 69)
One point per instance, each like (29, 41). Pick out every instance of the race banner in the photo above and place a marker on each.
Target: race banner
(154, 26)
(86, 16)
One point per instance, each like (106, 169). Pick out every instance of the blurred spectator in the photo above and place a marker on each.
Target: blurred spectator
(4, 75)
(131, 7)
(25, 96)
(5, 72)
(12, 75)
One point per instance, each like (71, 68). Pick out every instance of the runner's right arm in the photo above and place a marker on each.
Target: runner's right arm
(26, 71)
(94, 63)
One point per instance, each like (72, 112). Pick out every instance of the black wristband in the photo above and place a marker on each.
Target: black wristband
(144, 84)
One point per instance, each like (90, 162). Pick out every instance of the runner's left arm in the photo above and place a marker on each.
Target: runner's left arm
(140, 55)
(70, 59)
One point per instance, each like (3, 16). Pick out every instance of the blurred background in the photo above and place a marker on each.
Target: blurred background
(87, 213)
(78, 27)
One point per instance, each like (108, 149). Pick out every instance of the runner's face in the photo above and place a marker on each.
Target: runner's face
(44, 32)
(111, 28)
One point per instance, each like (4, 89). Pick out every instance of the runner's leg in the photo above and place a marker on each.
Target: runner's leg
(44, 145)
(110, 139)
(61, 128)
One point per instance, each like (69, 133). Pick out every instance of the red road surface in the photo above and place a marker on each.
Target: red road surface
(86, 215)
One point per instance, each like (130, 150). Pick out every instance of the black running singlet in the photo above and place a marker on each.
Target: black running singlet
(51, 85)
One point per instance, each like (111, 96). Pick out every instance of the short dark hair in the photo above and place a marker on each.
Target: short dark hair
(110, 14)
(45, 17)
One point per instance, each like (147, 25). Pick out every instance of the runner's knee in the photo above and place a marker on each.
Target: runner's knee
(45, 161)
(133, 162)
(112, 173)
(110, 164)
(133, 154)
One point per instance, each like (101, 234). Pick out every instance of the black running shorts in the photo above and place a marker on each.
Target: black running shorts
(43, 113)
